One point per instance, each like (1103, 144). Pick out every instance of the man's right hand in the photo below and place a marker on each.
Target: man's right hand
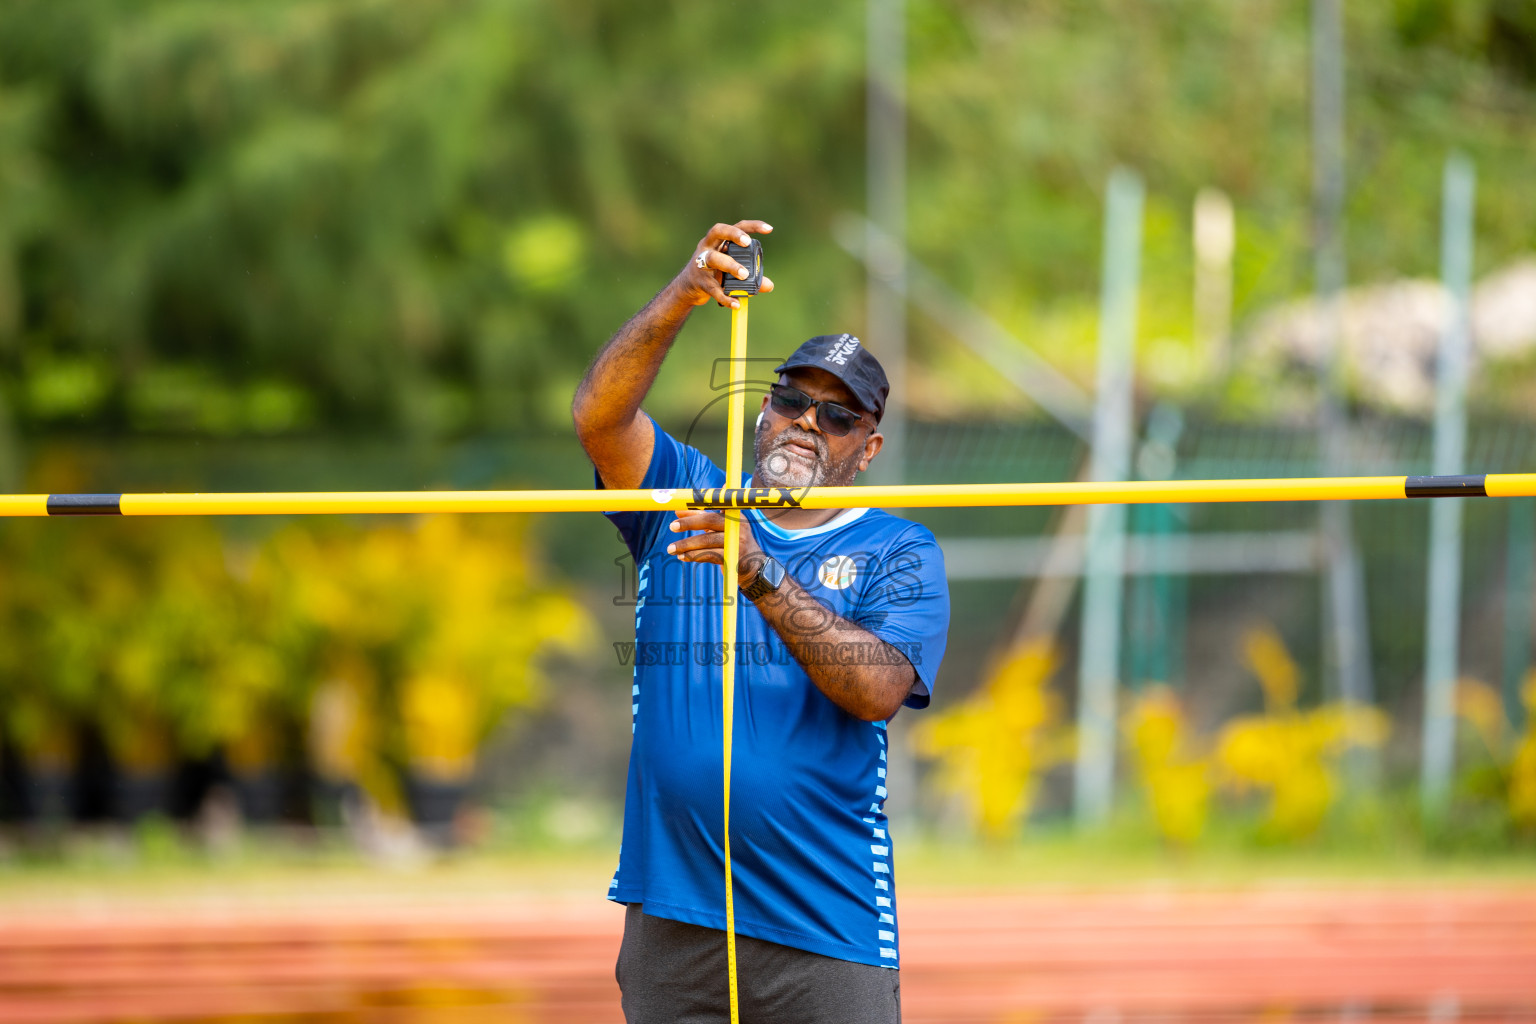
(606, 409)
(697, 286)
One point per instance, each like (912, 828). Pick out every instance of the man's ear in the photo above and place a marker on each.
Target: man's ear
(872, 445)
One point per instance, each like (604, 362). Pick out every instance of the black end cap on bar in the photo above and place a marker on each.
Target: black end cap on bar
(1445, 487)
(85, 504)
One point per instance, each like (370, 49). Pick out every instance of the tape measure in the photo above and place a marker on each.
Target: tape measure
(750, 257)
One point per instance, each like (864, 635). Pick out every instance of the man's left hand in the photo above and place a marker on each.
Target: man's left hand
(871, 692)
(708, 545)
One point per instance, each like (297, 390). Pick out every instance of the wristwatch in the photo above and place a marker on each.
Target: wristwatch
(769, 575)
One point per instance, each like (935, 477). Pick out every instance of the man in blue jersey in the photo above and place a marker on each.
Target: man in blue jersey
(844, 619)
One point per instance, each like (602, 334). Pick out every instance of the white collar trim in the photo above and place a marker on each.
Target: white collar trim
(837, 522)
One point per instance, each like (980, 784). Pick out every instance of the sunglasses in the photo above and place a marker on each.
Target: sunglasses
(831, 418)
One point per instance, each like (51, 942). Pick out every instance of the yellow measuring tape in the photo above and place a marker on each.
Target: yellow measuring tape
(728, 612)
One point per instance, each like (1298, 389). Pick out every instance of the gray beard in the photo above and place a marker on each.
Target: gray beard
(776, 468)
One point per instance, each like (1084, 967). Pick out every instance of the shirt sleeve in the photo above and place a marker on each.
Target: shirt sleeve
(673, 465)
(907, 606)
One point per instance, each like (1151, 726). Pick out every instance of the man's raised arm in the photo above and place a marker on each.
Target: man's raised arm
(606, 409)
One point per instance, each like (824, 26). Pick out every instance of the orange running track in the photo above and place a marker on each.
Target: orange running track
(1264, 954)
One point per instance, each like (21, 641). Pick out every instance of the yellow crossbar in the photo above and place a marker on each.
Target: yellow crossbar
(1353, 488)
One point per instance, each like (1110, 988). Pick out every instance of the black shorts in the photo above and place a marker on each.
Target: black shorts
(675, 973)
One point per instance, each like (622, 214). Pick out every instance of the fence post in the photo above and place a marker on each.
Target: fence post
(1443, 623)
(1345, 623)
(885, 201)
(1215, 240)
(1099, 649)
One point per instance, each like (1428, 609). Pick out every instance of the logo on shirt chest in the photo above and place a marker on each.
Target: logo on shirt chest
(838, 572)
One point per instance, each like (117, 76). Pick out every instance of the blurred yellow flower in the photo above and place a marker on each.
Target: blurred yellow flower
(1522, 774)
(433, 628)
(1289, 753)
(1177, 782)
(992, 748)
(1481, 706)
(441, 714)
(1269, 660)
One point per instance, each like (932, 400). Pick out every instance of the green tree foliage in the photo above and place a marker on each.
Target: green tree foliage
(379, 214)
(259, 216)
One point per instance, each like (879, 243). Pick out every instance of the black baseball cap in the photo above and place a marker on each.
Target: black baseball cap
(846, 358)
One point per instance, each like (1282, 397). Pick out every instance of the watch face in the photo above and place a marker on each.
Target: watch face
(769, 575)
(773, 572)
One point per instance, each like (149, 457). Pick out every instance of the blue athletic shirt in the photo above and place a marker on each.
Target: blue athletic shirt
(810, 847)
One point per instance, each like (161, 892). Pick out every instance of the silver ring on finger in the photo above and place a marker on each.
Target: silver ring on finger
(702, 259)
